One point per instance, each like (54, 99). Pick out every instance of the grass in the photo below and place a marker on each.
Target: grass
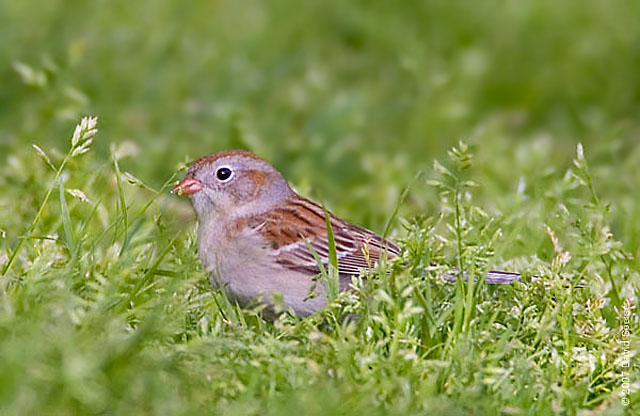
(502, 135)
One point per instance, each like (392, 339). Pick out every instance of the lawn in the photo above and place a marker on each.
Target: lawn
(481, 135)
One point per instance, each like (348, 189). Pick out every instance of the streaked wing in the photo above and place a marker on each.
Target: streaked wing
(287, 226)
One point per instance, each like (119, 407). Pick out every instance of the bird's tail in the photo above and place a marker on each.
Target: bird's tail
(497, 277)
(493, 277)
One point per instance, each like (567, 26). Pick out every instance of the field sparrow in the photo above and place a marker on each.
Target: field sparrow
(254, 229)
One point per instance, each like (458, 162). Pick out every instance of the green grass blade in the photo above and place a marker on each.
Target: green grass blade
(124, 215)
(333, 281)
(70, 238)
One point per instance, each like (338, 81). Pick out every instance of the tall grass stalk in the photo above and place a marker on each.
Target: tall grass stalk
(80, 143)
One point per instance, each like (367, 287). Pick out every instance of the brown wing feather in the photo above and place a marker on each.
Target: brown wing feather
(285, 226)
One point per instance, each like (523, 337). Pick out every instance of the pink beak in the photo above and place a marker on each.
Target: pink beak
(189, 185)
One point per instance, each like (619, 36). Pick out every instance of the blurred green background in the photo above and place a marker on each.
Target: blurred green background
(349, 99)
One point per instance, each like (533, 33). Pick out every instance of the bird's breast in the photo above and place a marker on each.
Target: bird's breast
(245, 265)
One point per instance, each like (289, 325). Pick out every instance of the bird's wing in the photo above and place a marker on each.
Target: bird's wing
(292, 228)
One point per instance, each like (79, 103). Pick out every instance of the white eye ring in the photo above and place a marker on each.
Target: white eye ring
(224, 173)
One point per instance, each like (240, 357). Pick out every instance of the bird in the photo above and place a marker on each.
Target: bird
(258, 238)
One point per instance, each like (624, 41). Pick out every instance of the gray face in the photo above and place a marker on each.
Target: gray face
(235, 185)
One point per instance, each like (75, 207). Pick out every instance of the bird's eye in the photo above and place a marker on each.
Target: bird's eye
(224, 174)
